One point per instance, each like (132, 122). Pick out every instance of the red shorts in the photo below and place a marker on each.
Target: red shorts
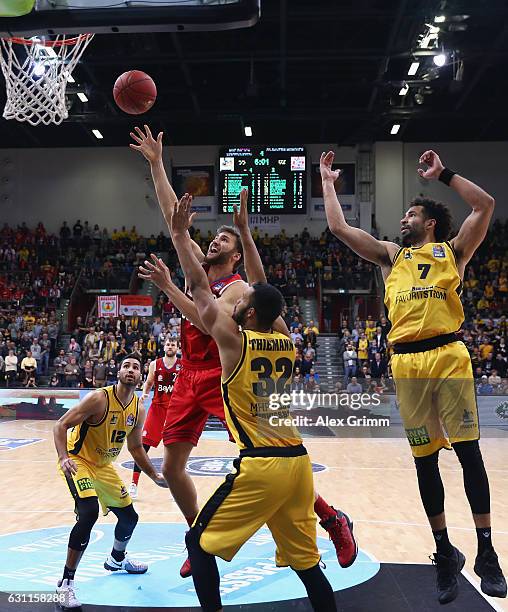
(154, 423)
(196, 395)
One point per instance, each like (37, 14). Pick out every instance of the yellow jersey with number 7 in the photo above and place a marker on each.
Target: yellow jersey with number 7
(422, 293)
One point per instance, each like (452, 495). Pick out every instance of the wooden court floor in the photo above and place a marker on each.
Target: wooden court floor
(372, 480)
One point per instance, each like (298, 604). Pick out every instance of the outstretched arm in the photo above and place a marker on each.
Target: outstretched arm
(475, 226)
(220, 325)
(151, 150)
(158, 273)
(251, 259)
(363, 244)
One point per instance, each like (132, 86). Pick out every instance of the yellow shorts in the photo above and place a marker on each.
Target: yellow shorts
(436, 397)
(278, 491)
(102, 482)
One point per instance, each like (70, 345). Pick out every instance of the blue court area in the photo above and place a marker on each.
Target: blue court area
(209, 466)
(33, 561)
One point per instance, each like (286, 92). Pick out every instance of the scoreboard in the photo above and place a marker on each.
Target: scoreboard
(276, 178)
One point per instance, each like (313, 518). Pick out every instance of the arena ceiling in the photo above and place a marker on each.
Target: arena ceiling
(308, 71)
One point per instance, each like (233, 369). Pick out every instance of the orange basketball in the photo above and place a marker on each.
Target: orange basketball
(135, 92)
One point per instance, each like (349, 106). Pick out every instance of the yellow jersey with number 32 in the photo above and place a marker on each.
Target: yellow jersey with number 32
(422, 293)
(100, 443)
(256, 409)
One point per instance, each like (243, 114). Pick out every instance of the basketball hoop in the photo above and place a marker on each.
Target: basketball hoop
(36, 73)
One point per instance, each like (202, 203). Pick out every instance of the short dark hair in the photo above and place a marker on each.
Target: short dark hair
(231, 229)
(268, 303)
(131, 356)
(439, 212)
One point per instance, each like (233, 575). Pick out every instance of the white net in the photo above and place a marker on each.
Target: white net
(36, 75)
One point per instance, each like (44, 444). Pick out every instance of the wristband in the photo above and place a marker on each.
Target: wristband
(446, 176)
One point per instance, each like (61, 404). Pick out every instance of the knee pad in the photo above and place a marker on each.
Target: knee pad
(127, 521)
(476, 481)
(430, 484)
(468, 453)
(427, 463)
(87, 511)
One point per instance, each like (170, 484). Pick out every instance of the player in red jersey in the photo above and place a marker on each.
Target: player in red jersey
(162, 373)
(197, 392)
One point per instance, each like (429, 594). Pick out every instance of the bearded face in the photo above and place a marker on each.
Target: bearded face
(129, 373)
(222, 247)
(412, 226)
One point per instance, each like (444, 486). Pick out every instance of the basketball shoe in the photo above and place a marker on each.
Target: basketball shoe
(487, 567)
(128, 565)
(340, 529)
(185, 570)
(448, 569)
(68, 601)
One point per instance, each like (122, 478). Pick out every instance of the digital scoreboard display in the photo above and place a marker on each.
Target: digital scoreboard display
(276, 178)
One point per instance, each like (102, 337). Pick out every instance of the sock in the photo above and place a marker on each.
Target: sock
(68, 573)
(190, 519)
(484, 536)
(443, 544)
(118, 555)
(322, 509)
(135, 477)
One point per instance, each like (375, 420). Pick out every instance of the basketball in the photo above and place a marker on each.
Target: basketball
(135, 92)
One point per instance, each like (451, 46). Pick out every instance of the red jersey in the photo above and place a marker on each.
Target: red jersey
(199, 350)
(164, 380)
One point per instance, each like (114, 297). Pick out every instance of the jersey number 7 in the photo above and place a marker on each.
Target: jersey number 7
(425, 270)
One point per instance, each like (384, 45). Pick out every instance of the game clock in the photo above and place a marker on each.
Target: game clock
(276, 178)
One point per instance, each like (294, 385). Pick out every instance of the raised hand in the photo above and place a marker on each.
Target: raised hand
(433, 163)
(325, 166)
(155, 271)
(150, 148)
(240, 215)
(182, 218)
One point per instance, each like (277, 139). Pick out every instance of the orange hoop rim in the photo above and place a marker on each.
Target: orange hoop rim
(64, 42)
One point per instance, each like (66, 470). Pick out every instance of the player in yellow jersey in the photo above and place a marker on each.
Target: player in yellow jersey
(431, 367)
(88, 439)
(273, 483)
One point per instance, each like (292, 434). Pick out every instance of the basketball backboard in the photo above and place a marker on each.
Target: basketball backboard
(50, 17)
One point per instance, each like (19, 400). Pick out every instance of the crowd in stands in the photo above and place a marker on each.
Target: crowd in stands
(365, 351)
(28, 341)
(38, 269)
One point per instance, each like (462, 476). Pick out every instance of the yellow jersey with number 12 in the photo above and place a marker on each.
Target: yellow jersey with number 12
(100, 443)
(256, 393)
(422, 293)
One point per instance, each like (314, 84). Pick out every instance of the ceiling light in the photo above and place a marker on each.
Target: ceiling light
(419, 99)
(82, 96)
(97, 134)
(413, 69)
(439, 19)
(248, 130)
(439, 60)
(70, 78)
(395, 129)
(404, 89)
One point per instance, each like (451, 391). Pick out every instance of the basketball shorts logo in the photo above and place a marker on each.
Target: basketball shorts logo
(418, 436)
(84, 484)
